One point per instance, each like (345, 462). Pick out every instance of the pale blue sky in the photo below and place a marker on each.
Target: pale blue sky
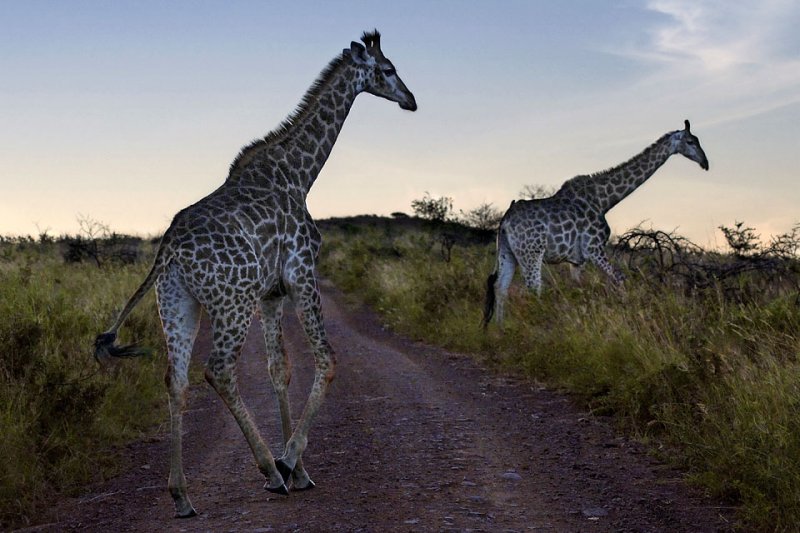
(129, 111)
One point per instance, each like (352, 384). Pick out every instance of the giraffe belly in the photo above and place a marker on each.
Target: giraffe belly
(227, 278)
(563, 250)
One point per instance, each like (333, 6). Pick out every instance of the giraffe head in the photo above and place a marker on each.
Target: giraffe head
(379, 75)
(685, 143)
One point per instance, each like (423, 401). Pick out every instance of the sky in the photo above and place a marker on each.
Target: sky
(125, 112)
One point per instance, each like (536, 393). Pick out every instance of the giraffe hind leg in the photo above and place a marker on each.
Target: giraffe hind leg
(180, 317)
(532, 271)
(280, 375)
(506, 264)
(229, 337)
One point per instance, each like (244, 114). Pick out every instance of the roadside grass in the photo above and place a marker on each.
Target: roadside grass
(60, 412)
(710, 380)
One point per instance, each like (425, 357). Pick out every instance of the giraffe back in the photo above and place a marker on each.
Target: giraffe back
(238, 242)
(561, 227)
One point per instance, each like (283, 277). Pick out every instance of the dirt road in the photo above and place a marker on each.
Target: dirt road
(411, 438)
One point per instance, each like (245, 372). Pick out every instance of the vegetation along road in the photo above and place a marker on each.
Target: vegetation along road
(412, 438)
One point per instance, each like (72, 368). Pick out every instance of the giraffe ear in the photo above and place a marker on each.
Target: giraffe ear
(357, 52)
(686, 125)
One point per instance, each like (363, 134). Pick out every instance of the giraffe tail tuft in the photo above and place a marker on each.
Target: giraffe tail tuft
(488, 307)
(104, 347)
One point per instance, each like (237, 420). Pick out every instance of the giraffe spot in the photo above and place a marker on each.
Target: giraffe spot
(327, 102)
(203, 254)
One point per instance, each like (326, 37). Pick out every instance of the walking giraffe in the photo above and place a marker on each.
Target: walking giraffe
(570, 226)
(245, 247)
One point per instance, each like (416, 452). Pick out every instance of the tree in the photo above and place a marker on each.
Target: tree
(742, 240)
(433, 209)
(483, 217)
(96, 242)
(786, 245)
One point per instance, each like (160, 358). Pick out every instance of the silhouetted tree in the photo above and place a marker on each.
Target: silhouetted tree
(742, 240)
(433, 209)
(484, 217)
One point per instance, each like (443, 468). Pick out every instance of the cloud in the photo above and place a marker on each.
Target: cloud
(737, 59)
(722, 35)
(707, 34)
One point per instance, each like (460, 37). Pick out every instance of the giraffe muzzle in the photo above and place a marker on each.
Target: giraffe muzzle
(410, 104)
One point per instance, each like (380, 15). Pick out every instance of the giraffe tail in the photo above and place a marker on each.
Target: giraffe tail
(104, 344)
(488, 306)
(104, 347)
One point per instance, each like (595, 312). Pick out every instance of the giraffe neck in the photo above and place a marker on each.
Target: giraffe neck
(613, 185)
(293, 154)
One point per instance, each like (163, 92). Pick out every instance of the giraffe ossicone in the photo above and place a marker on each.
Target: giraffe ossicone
(242, 250)
(571, 226)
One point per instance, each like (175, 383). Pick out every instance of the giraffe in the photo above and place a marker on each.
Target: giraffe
(570, 226)
(242, 250)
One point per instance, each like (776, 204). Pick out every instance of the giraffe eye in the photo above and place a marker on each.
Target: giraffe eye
(389, 71)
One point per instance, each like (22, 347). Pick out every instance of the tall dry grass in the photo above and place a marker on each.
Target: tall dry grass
(710, 379)
(60, 413)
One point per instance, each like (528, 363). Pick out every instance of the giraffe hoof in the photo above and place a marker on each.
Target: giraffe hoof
(280, 489)
(186, 514)
(284, 469)
(308, 486)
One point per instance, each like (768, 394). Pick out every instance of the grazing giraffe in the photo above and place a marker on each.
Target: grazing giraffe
(571, 225)
(244, 248)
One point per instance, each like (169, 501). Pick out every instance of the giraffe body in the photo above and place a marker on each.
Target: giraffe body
(243, 249)
(570, 226)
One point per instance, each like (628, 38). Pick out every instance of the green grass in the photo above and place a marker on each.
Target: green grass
(711, 379)
(60, 412)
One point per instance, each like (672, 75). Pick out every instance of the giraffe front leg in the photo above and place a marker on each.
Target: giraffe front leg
(576, 272)
(599, 258)
(307, 301)
(280, 372)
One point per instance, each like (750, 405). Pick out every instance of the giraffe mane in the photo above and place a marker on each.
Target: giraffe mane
(584, 179)
(250, 151)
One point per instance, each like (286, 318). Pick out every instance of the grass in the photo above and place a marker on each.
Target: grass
(60, 412)
(712, 379)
